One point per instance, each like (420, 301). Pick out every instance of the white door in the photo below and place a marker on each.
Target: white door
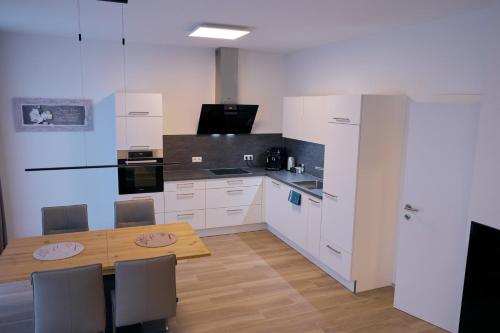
(344, 109)
(341, 165)
(432, 242)
(313, 225)
(293, 110)
(275, 199)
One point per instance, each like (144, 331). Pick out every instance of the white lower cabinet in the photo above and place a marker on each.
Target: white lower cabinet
(184, 200)
(232, 216)
(159, 218)
(313, 226)
(157, 197)
(194, 217)
(234, 196)
(335, 258)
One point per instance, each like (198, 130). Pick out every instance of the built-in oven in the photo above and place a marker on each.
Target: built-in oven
(140, 172)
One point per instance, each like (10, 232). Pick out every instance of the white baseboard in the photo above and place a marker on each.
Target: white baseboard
(231, 230)
(350, 285)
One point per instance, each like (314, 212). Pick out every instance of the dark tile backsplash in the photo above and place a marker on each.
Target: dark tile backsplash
(218, 151)
(312, 155)
(226, 151)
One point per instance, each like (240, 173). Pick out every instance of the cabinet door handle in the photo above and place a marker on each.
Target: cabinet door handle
(342, 120)
(331, 196)
(333, 249)
(412, 209)
(184, 185)
(234, 191)
(237, 181)
(142, 198)
(185, 215)
(314, 201)
(185, 194)
(234, 210)
(276, 184)
(138, 113)
(136, 147)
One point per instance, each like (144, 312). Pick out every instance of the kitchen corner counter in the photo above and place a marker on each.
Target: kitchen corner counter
(283, 176)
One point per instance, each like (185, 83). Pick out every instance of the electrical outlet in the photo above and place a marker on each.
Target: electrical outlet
(248, 157)
(196, 159)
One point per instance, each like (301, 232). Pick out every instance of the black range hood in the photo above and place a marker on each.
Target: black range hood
(226, 118)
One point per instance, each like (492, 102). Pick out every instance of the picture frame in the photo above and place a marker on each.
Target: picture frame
(53, 115)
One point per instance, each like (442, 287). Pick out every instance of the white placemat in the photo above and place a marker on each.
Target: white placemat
(156, 239)
(58, 251)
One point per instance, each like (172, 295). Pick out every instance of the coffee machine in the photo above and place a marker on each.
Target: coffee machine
(275, 159)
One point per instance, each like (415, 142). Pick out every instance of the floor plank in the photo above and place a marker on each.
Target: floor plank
(254, 283)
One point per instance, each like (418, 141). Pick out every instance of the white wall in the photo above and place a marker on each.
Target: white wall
(41, 66)
(439, 57)
(485, 207)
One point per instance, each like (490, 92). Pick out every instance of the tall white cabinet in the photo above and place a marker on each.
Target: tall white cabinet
(363, 159)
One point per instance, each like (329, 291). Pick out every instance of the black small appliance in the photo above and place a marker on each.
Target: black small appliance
(275, 158)
(141, 172)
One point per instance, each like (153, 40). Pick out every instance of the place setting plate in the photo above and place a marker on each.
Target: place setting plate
(156, 239)
(58, 251)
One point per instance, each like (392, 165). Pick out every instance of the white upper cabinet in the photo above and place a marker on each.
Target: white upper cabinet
(315, 119)
(139, 105)
(144, 133)
(293, 111)
(139, 121)
(344, 109)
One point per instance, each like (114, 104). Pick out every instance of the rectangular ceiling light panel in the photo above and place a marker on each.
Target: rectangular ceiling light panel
(219, 32)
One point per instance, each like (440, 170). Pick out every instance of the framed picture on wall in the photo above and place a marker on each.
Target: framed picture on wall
(53, 114)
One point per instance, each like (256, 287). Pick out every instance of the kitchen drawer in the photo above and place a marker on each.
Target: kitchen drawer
(184, 200)
(157, 197)
(139, 104)
(234, 182)
(194, 217)
(160, 218)
(234, 196)
(336, 258)
(231, 216)
(184, 185)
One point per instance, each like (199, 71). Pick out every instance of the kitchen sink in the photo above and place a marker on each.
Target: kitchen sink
(310, 184)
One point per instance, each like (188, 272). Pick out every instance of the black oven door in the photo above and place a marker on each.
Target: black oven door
(136, 177)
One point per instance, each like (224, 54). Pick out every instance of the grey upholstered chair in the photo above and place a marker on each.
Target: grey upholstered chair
(64, 219)
(144, 290)
(134, 213)
(69, 300)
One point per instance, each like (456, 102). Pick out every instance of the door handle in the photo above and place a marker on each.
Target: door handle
(331, 196)
(333, 249)
(410, 208)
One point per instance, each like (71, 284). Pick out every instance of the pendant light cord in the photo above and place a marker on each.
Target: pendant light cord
(82, 93)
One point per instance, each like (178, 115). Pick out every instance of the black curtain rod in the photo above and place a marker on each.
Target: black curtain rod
(102, 166)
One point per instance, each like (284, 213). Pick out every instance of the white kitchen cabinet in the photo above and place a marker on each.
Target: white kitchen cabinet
(194, 217)
(184, 200)
(362, 176)
(184, 185)
(276, 195)
(157, 197)
(144, 133)
(233, 182)
(121, 133)
(295, 220)
(293, 113)
(138, 105)
(159, 218)
(339, 186)
(234, 196)
(313, 225)
(344, 109)
(233, 216)
(314, 119)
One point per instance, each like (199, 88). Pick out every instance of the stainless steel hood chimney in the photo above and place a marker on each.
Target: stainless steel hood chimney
(227, 117)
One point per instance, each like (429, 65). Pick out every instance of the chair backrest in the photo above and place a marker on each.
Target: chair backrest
(132, 213)
(64, 219)
(69, 300)
(145, 290)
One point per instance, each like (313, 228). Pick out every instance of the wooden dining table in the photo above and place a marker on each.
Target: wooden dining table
(100, 247)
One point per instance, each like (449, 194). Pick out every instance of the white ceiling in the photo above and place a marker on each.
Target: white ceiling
(279, 25)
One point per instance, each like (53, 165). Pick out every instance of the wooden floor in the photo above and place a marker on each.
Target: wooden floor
(253, 282)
